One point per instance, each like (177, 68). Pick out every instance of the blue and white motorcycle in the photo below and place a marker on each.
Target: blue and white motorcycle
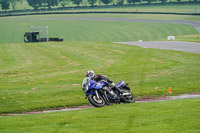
(100, 94)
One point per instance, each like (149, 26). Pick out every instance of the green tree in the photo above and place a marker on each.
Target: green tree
(133, 1)
(35, 3)
(64, 2)
(99, 1)
(106, 2)
(120, 2)
(13, 3)
(113, 2)
(50, 3)
(77, 2)
(150, 1)
(163, 1)
(92, 2)
(4, 4)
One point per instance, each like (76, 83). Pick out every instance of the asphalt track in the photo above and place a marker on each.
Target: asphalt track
(168, 45)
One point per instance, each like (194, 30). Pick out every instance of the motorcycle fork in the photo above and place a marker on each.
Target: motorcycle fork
(97, 95)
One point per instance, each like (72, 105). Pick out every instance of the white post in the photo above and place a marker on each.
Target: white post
(47, 33)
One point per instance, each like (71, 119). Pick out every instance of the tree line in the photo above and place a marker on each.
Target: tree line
(5, 4)
(36, 4)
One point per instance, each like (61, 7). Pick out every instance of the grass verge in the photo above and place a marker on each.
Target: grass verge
(189, 38)
(169, 116)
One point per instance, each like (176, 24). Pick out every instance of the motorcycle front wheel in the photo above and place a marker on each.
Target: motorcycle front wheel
(128, 99)
(95, 101)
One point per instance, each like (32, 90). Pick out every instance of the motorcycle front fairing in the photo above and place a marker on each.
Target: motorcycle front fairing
(121, 84)
(94, 86)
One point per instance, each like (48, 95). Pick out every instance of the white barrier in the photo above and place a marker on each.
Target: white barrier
(171, 38)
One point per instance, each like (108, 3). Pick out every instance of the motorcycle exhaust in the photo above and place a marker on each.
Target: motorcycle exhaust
(106, 98)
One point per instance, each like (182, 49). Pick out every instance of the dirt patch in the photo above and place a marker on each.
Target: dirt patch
(149, 97)
(76, 84)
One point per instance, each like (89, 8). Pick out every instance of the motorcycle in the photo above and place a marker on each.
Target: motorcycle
(100, 94)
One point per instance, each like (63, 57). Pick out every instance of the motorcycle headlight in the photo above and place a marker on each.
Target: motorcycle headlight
(85, 84)
(85, 89)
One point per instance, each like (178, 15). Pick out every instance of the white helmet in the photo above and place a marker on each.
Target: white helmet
(90, 74)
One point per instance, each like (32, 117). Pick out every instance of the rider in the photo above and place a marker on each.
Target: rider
(100, 77)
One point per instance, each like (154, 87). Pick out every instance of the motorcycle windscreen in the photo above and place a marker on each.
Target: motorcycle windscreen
(120, 83)
(86, 84)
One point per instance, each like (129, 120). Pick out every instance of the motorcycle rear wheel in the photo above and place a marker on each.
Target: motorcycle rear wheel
(128, 99)
(95, 101)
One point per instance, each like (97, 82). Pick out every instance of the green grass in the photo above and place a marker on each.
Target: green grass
(13, 29)
(42, 76)
(49, 75)
(170, 116)
(189, 38)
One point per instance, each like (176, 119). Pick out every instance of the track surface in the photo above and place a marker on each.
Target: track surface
(168, 45)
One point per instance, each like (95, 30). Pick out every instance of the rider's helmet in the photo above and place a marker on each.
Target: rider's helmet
(90, 74)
